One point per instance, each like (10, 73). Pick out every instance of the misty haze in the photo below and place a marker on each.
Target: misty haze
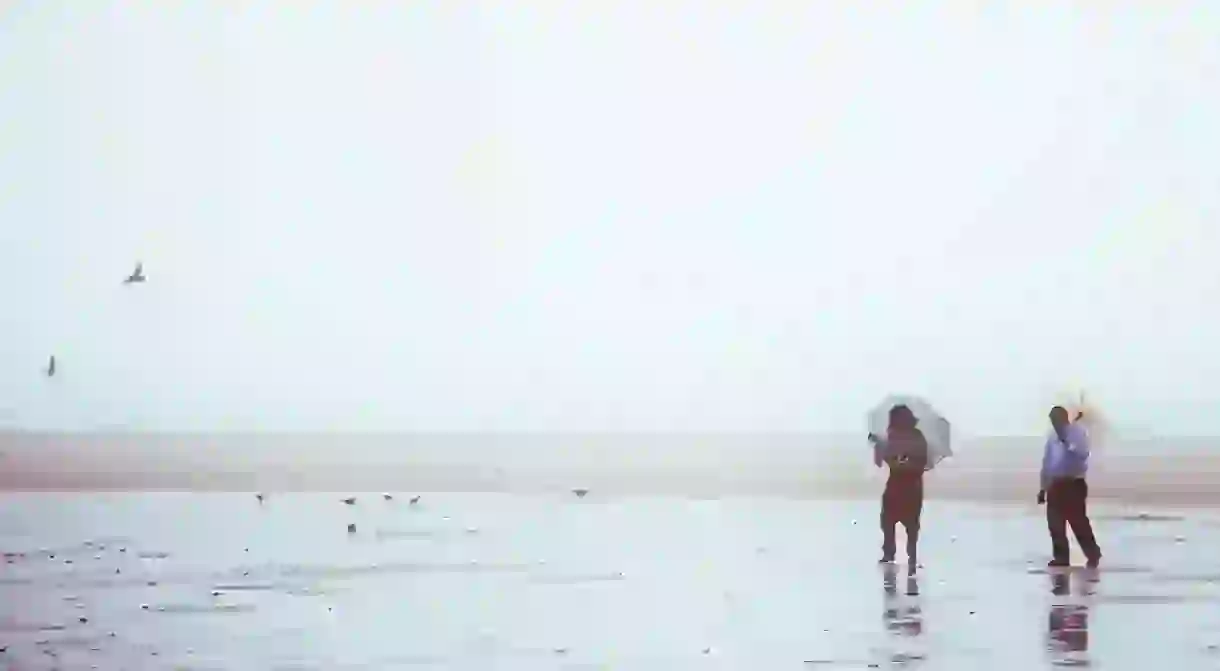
(546, 334)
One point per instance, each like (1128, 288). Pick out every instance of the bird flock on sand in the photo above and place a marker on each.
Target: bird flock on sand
(414, 500)
(136, 277)
(349, 501)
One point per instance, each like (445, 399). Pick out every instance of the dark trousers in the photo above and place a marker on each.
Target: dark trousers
(1067, 503)
(901, 504)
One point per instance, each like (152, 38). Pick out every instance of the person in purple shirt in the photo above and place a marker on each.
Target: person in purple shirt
(1065, 464)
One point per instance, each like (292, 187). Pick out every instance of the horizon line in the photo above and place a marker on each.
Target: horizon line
(126, 431)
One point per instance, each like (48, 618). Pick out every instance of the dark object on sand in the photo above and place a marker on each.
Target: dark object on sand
(387, 497)
(259, 497)
(414, 499)
(137, 276)
(351, 528)
(51, 367)
(580, 493)
(351, 501)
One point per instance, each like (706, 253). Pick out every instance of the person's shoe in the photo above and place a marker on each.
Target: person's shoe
(1058, 563)
(912, 567)
(886, 559)
(1093, 562)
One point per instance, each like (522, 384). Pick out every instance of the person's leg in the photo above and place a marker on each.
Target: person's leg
(911, 526)
(1078, 517)
(914, 510)
(1056, 524)
(888, 524)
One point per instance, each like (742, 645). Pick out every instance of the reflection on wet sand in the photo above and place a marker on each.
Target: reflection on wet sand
(1068, 621)
(902, 614)
(553, 582)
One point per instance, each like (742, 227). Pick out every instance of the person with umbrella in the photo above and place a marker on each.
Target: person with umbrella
(905, 451)
(1065, 463)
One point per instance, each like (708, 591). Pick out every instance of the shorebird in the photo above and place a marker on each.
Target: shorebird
(387, 497)
(136, 276)
(415, 499)
(580, 493)
(259, 497)
(51, 367)
(351, 501)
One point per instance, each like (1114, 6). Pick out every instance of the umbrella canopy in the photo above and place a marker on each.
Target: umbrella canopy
(935, 428)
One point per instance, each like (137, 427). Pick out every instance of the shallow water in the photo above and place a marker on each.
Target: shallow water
(218, 581)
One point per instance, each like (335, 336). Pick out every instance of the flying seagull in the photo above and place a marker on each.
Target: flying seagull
(136, 276)
(51, 367)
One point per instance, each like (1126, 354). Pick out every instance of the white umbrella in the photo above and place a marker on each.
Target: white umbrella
(934, 427)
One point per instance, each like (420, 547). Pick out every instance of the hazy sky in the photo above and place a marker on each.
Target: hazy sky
(629, 215)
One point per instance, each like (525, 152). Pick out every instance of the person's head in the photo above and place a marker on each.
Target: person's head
(1059, 418)
(902, 418)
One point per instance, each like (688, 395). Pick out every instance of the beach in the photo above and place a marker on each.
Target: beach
(553, 581)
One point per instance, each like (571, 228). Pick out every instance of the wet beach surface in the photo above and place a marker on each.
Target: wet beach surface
(474, 581)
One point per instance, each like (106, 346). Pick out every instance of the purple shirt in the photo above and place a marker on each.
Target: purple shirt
(1066, 459)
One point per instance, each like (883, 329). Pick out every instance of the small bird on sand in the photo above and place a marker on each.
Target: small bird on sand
(387, 497)
(51, 366)
(580, 493)
(259, 497)
(415, 499)
(351, 528)
(137, 276)
(351, 501)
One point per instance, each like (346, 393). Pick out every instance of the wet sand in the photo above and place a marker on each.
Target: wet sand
(481, 581)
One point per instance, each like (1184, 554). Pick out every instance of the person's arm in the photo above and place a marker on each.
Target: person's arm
(881, 449)
(1046, 473)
